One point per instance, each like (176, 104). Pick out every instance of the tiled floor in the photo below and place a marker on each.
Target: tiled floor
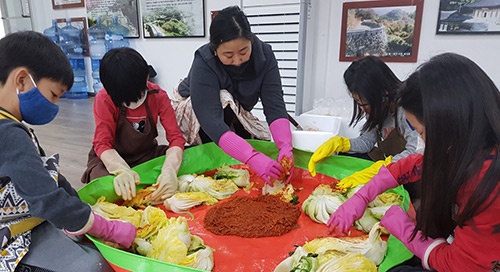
(70, 135)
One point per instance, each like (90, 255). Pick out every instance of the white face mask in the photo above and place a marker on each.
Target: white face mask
(135, 105)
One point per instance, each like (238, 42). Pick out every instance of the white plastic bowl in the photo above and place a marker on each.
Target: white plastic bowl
(316, 130)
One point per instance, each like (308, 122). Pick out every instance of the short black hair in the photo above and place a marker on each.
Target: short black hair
(374, 82)
(41, 56)
(124, 74)
(229, 24)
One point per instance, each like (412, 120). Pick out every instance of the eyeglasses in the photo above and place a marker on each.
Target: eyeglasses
(361, 104)
(409, 124)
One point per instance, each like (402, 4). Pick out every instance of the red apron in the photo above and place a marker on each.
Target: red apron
(134, 147)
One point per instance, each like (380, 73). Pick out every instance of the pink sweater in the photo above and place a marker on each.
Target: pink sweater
(475, 246)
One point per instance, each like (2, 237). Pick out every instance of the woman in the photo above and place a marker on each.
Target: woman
(454, 106)
(226, 80)
(385, 136)
(126, 113)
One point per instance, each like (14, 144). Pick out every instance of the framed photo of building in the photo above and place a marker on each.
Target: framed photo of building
(173, 18)
(126, 12)
(389, 29)
(469, 17)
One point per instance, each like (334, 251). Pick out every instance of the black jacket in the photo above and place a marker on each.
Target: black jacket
(258, 78)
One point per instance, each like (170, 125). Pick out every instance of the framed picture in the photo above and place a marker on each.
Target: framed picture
(63, 4)
(79, 23)
(126, 12)
(468, 17)
(173, 18)
(389, 29)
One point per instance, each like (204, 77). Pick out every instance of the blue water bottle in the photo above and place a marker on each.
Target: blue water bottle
(97, 50)
(116, 35)
(72, 45)
(53, 32)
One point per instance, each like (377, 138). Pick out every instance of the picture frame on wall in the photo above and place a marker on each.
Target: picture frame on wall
(388, 29)
(64, 4)
(468, 17)
(78, 22)
(173, 18)
(126, 11)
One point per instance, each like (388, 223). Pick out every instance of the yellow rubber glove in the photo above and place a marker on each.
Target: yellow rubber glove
(363, 176)
(328, 148)
(167, 181)
(125, 179)
(125, 182)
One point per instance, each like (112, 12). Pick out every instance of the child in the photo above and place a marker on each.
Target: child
(34, 73)
(454, 106)
(385, 136)
(126, 112)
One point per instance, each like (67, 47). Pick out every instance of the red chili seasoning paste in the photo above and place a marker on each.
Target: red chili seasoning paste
(252, 217)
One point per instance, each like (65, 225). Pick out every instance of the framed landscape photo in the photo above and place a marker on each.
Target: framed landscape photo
(468, 17)
(126, 11)
(173, 18)
(388, 29)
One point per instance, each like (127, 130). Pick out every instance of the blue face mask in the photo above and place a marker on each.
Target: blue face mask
(35, 108)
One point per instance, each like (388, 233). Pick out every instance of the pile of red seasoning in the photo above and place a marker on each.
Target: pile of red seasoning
(252, 217)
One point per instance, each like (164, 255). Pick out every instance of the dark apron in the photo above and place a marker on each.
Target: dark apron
(134, 147)
(393, 144)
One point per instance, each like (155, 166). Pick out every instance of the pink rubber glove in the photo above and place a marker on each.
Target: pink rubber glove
(115, 231)
(266, 167)
(352, 210)
(282, 136)
(401, 226)
(238, 148)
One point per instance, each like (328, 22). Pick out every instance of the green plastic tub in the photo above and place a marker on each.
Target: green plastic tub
(206, 157)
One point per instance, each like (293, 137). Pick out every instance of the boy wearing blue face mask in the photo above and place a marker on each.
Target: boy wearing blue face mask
(126, 113)
(38, 206)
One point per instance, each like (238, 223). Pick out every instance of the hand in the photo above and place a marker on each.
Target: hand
(401, 226)
(265, 167)
(241, 150)
(282, 136)
(125, 178)
(343, 218)
(285, 163)
(286, 160)
(166, 185)
(125, 183)
(328, 148)
(115, 231)
(363, 176)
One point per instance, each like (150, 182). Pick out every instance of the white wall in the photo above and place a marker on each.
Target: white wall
(324, 71)
(172, 57)
(2, 31)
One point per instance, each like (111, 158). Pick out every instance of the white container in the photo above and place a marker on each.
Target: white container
(317, 129)
(345, 130)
